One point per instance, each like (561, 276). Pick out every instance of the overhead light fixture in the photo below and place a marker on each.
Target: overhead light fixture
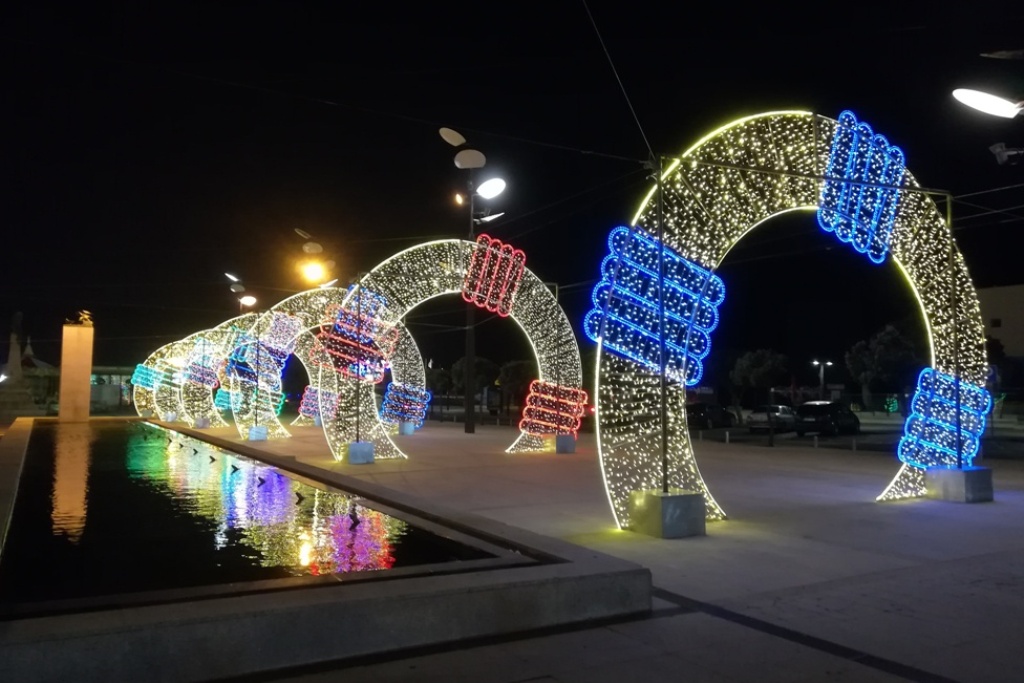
(232, 277)
(1007, 155)
(491, 217)
(490, 189)
(988, 103)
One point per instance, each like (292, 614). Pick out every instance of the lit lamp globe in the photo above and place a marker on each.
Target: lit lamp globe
(313, 272)
(988, 103)
(489, 189)
(247, 300)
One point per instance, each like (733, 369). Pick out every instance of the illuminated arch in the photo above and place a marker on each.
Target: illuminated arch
(730, 181)
(434, 269)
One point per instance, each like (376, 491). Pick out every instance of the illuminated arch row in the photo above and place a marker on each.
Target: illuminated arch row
(725, 185)
(176, 377)
(434, 269)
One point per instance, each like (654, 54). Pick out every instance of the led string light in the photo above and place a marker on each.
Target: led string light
(493, 276)
(730, 181)
(930, 438)
(626, 314)
(861, 215)
(553, 409)
(404, 403)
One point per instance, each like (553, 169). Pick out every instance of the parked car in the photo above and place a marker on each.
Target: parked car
(826, 417)
(783, 418)
(708, 416)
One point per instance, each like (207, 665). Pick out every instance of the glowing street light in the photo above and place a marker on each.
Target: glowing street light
(821, 376)
(313, 271)
(246, 301)
(988, 103)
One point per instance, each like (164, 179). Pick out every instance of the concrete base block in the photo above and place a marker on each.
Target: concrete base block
(318, 421)
(969, 485)
(258, 433)
(565, 443)
(169, 417)
(406, 428)
(201, 423)
(360, 453)
(675, 514)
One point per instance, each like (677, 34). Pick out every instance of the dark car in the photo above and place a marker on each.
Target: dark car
(826, 417)
(708, 416)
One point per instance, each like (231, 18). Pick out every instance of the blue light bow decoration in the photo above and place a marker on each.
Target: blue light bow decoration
(146, 377)
(405, 403)
(929, 435)
(625, 316)
(861, 214)
(223, 399)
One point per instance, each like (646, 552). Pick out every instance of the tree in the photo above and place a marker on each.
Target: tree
(888, 360)
(861, 364)
(439, 381)
(761, 369)
(515, 377)
(486, 371)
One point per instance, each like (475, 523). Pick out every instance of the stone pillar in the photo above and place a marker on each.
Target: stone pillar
(75, 372)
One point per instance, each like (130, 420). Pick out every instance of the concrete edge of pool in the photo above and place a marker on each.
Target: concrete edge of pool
(245, 634)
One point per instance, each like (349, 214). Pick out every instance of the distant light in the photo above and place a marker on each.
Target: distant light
(232, 277)
(987, 103)
(247, 300)
(459, 199)
(313, 271)
(329, 283)
(2, 377)
(491, 188)
(491, 217)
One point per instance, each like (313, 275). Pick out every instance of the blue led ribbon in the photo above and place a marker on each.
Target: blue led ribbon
(861, 214)
(405, 403)
(146, 377)
(929, 435)
(625, 316)
(223, 399)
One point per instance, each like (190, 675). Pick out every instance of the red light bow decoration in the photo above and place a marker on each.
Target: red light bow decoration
(493, 276)
(553, 409)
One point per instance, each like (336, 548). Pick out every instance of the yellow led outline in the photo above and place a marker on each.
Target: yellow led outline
(799, 140)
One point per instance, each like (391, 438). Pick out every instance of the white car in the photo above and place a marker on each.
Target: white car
(783, 418)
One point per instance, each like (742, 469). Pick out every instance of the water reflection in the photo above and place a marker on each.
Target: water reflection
(281, 521)
(71, 480)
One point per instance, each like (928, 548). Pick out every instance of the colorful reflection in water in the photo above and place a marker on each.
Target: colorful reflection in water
(114, 507)
(284, 522)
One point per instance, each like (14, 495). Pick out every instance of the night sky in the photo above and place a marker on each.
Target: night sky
(150, 147)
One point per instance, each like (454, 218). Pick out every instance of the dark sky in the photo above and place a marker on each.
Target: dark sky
(150, 147)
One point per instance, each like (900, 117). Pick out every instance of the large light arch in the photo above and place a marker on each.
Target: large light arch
(731, 180)
(434, 269)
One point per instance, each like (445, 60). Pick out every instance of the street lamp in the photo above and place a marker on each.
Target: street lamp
(821, 376)
(988, 103)
(470, 160)
(246, 301)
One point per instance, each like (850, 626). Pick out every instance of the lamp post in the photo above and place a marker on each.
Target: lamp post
(821, 376)
(470, 160)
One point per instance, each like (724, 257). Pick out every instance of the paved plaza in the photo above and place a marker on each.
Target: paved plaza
(808, 580)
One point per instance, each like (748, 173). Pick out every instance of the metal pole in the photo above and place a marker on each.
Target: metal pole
(661, 329)
(469, 374)
(359, 362)
(956, 330)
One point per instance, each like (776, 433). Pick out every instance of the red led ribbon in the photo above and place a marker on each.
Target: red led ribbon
(492, 279)
(553, 409)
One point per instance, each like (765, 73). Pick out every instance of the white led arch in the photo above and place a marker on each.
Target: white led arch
(434, 269)
(733, 179)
